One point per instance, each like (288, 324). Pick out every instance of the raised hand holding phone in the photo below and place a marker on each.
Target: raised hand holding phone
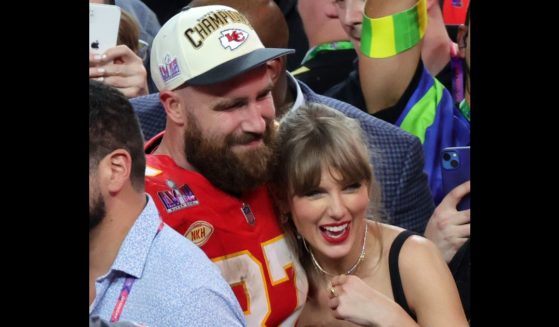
(449, 226)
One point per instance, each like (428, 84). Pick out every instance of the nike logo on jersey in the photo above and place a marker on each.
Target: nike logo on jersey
(199, 232)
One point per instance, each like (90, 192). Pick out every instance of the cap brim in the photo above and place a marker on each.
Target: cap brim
(238, 66)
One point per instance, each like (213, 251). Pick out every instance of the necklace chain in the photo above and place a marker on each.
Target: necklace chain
(352, 269)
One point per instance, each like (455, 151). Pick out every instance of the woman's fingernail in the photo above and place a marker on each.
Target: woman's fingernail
(98, 57)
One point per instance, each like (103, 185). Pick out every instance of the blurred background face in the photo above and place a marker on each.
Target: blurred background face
(306, 8)
(320, 21)
(350, 13)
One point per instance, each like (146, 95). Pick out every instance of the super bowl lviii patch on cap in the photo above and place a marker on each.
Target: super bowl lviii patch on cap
(206, 45)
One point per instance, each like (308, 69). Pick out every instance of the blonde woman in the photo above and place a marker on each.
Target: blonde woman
(360, 271)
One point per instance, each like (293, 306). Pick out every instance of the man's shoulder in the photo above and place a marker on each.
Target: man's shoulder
(181, 259)
(371, 125)
(151, 114)
(158, 167)
(162, 172)
(146, 102)
(182, 247)
(184, 271)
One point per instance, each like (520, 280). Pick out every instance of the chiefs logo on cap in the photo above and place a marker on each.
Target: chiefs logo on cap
(233, 38)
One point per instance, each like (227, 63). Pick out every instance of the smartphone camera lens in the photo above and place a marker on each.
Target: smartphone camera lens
(450, 160)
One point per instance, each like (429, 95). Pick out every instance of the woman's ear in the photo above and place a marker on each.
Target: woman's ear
(285, 217)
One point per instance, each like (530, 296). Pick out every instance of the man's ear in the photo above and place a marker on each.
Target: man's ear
(117, 166)
(330, 10)
(276, 66)
(172, 104)
(461, 38)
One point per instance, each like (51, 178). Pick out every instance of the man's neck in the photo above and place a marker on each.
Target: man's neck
(284, 96)
(107, 237)
(172, 145)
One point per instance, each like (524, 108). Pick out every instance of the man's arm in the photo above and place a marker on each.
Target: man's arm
(211, 308)
(384, 80)
(413, 202)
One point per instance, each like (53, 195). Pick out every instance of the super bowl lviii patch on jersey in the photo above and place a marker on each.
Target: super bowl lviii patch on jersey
(177, 198)
(199, 232)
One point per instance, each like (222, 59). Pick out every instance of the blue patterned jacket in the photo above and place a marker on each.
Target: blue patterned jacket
(396, 155)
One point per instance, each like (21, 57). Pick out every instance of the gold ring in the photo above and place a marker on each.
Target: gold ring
(333, 291)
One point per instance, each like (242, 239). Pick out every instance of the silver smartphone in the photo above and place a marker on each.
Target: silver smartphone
(104, 21)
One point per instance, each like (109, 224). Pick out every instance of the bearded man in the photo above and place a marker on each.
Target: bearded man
(207, 171)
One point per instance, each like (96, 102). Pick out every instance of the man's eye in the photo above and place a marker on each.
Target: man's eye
(265, 95)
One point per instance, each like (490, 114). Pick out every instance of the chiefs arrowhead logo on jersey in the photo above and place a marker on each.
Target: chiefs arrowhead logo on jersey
(199, 232)
(233, 38)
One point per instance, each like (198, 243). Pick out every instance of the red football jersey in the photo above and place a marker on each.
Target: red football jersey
(241, 235)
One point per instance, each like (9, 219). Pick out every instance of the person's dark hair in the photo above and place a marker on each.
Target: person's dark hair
(113, 125)
(129, 31)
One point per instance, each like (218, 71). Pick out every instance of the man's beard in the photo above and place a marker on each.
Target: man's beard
(231, 172)
(97, 211)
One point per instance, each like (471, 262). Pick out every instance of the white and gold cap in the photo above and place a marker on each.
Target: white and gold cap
(206, 45)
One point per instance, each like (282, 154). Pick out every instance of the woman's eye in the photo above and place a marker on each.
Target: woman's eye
(311, 193)
(353, 186)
